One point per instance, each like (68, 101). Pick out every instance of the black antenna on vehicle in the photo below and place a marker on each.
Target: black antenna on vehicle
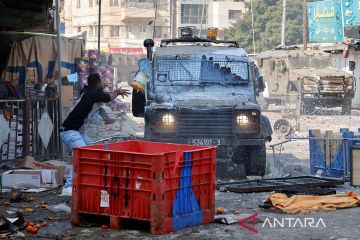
(149, 44)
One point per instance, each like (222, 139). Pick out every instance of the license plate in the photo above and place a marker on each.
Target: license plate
(206, 141)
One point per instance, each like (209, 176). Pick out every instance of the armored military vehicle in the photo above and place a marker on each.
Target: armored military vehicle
(309, 73)
(203, 92)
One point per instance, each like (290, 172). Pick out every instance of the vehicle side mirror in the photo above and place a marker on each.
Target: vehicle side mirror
(261, 83)
(352, 65)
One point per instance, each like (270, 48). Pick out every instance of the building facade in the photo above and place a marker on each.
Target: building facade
(210, 13)
(126, 23)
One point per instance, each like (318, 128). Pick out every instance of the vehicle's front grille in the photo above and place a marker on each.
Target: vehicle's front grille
(205, 123)
(333, 84)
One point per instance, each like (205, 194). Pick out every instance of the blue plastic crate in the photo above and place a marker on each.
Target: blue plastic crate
(339, 164)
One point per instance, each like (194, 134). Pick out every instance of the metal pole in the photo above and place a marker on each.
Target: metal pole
(174, 27)
(155, 1)
(283, 23)
(305, 29)
(58, 58)
(202, 17)
(99, 28)
(252, 24)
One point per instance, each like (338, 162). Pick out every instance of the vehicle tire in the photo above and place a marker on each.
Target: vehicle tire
(346, 107)
(253, 158)
(256, 166)
(282, 128)
(241, 155)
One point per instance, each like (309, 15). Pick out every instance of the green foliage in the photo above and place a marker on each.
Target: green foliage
(267, 24)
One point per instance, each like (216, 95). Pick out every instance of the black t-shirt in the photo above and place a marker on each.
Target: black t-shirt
(78, 115)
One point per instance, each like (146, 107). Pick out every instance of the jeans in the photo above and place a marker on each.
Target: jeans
(74, 138)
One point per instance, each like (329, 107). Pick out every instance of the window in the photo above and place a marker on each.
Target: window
(238, 0)
(143, 29)
(90, 3)
(78, 3)
(158, 32)
(97, 2)
(192, 13)
(130, 29)
(91, 31)
(234, 14)
(78, 29)
(114, 3)
(101, 31)
(114, 31)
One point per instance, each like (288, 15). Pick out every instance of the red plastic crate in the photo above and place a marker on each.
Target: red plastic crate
(170, 185)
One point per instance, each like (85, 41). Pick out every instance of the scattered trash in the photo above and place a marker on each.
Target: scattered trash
(29, 163)
(17, 197)
(11, 225)
(30, 199)
(275, 184)
(62, 207)
(104, 226)
(53, 218)
(236, 212)
(66, 191)
(28, 210)
(308, 191)
(230, 218)
(68, 181)
(14, 211)
(44, 206)
(307, 204)
(25, 179)
(319, 173)
(6, 203)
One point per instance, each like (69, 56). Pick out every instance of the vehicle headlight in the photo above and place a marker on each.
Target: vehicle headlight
(247, 121)
(168, 119)
(242, 119)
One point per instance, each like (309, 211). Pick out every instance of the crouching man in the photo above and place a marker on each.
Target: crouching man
(72, 133)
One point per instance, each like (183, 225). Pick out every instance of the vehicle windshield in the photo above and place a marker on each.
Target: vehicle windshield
(311, 62)
(199, 72)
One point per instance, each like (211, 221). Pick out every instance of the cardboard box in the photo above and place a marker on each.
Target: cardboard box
(67, 96)
(30, 163)
(24, 178)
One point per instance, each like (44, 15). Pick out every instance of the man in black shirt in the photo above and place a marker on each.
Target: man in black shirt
(71, 134)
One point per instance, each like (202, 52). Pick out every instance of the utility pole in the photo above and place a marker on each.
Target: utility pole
(155, 2)
(99, 28)
(252, 24)
(305, 29)
(174, 19)
(283, 24)
(58, 58)
(202, 18)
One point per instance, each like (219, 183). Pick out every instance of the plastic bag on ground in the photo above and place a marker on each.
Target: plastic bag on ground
(62, 207)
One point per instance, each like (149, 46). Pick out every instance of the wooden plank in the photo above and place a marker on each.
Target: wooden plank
(355, 167)
(327, 153)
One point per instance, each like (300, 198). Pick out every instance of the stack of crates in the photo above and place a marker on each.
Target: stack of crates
(171, 186)
(330, 152)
